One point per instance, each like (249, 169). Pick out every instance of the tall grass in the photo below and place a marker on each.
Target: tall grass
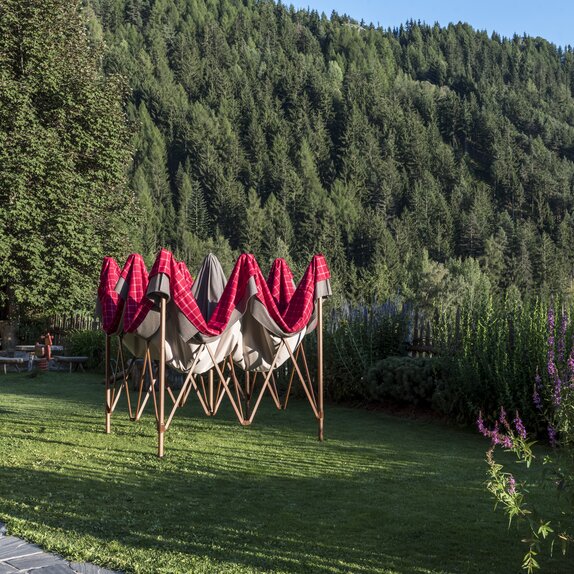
(492, 351)
(358, 336)
(500, 345)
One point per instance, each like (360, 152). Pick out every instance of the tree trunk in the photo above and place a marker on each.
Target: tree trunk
(7, 324)
(7, 335)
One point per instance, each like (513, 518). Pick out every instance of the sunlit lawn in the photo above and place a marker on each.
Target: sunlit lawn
(381, 494)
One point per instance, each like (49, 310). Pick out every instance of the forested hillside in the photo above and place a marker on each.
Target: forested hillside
(415, 158)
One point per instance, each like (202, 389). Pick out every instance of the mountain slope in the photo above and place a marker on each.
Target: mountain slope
(286, 132)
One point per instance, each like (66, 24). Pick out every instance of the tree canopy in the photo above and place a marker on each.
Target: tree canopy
(269, 127)
(259, 127)
(64, 150)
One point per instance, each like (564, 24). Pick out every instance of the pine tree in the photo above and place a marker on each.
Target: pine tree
(64, 146)
(192, 210)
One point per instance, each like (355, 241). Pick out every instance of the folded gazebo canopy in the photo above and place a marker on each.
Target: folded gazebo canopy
(213, 327)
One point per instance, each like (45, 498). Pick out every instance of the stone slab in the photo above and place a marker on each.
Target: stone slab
(85, 568)
(35, 561)
(20, 557)
(53, 569)
(12, 547)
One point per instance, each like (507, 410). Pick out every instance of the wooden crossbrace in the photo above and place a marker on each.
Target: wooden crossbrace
(182, 392)
(224, 382)
(310, 396)
(265, 384)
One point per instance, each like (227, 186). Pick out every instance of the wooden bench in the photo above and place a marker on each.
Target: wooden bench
(14, 361)
(76, 362)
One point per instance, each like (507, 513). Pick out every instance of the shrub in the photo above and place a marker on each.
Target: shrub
(406, 380)
(494, 349)
(355, 339)
(88, 343)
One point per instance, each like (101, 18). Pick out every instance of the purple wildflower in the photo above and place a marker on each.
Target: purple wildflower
(480, 424)
(551, 369)
(557, 393)
(562, 337)
(536, 394)
(496, 438)
(519, 426)
(551, 327)
(495, 435)
(552, 435)
(551, 320)
(570, 364)
(511, 485)
(506, 441)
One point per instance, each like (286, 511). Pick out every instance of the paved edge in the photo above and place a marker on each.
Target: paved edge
(43, 563)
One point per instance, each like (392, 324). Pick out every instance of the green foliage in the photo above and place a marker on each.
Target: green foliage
(488, 349)
(63, 155)
(406, 380)
(545, 529)
(355, 339)
(400, 154)
(372, 145)
(89, 343)
(495, 348)
(552, 525)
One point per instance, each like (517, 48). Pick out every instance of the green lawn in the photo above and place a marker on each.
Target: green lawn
(381, 494)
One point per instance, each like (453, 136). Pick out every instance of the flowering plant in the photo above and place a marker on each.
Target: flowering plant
(553, 396)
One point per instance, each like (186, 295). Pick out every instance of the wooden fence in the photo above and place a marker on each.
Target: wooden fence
(421, 343)
(61, 325)
(28, 332)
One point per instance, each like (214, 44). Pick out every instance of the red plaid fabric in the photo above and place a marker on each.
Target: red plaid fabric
(188, 279)
(183, 298)
(290, 308)
(110, 303)
(245, 268)
(138, 305)
(300, 307)
(280, 283)
(180, 287)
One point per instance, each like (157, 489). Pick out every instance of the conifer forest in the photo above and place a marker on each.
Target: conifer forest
(426, 162)
(417, 159)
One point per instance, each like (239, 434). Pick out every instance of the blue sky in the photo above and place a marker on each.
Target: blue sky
(551, 19)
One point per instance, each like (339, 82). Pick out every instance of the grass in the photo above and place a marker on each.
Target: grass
(381, 495)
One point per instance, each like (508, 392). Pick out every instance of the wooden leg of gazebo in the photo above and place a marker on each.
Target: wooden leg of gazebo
(211, 402)
(161, 414)
(247, 394)
(321, 417)
(108, 388)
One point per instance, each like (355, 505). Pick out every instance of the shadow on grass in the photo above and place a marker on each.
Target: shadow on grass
(380, 495)
(226, 518)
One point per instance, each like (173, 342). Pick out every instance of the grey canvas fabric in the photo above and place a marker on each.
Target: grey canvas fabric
(209, 285)
(252, 338)
(158, 286)
(263, 338)
(185, 346)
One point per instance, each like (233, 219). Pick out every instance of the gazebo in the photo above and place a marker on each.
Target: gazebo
(227, 336)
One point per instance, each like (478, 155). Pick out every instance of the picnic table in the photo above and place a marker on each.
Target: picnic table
(11, 361)
(31, 350)
(76, 362)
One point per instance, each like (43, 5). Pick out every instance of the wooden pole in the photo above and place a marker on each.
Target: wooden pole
(320, 366)
(247, 394)
(161, 414)
(108, 388)
(211, 404)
